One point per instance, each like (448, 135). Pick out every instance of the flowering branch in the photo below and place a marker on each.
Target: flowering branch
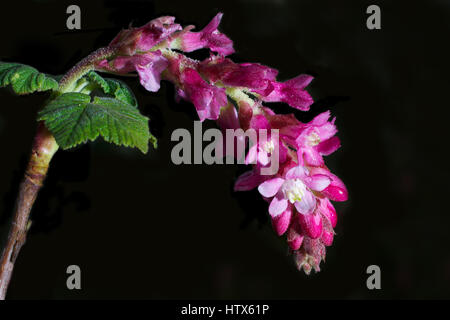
(229, 93)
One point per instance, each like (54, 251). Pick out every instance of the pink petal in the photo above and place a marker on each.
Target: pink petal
(294, 239)
(307, 205)
(209, 37)
(336, 193)
(128, 41)
(281, 222)
(318, 182)
(270, 187)
(263, 157)
(252, 154)
(311, 224)
(207, 99)
(299, 82)
(259, 122)
(277, 206)
(311, 156)
(328, 211)
(329, 146)
(297, 172)
(251, 76)
(326, 131)
(320, 119)
(150, 73)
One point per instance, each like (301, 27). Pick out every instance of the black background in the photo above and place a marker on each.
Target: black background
(141, 227)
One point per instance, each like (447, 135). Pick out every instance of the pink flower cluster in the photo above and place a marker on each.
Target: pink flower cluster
(300, 192)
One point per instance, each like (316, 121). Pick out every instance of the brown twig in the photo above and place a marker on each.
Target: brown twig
(44, 148)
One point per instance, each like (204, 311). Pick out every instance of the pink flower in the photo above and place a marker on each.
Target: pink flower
(313, 140)
(295, 189)
(336, 190)
(291, 92)
(209, 38)
(149, 67)
(261, 151)
(246, 75)
(207, 99)
(319, 224)
(142, 39)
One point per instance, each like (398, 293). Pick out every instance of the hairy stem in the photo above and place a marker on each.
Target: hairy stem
(44, 147)
(68, 82)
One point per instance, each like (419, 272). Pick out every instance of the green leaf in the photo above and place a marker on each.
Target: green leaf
(25, 79)
(113, 87)
(74, 119)
(97, 79)
(122, 92)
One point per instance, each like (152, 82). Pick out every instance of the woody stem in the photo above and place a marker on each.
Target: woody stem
(44, 147)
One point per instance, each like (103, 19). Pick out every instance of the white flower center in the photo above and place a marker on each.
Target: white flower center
(294, 190)
(313, 139)
(269, 146)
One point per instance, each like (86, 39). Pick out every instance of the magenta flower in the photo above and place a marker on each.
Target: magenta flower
(336, 190)
(317, 139)
(142, 39)
(296, 189)
(291, 92)
(209, 38)
(149, 67)
(319, 224)
(206, 98)
(252, 76)
(312, 140)
(262, 151)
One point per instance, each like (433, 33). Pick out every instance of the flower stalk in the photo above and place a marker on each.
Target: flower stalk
(68, 81)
